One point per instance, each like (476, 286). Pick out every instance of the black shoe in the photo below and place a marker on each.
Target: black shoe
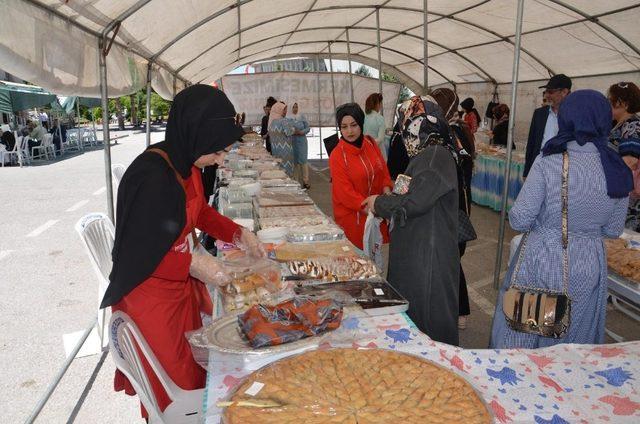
(306, 186)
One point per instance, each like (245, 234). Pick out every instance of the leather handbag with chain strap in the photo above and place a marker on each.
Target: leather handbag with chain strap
(542, 312)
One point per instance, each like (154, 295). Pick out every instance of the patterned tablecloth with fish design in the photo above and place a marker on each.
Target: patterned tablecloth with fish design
(561, 384)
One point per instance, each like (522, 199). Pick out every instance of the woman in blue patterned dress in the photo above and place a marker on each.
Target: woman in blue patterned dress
(281, 130)
(599, 183)
(300, 147)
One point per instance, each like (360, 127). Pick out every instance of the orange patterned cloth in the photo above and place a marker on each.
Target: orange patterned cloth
(289, 321)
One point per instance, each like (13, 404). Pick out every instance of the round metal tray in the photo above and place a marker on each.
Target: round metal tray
(224, 335)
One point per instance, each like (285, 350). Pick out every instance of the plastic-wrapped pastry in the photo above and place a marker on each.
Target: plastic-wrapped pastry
(324, 232)
(334, 269)
(622, 260)
(253, 280)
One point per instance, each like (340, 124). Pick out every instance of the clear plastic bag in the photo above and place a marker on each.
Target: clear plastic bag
(272, 174)
(294, 221)
(252, 280)
(326, 232)
(302, 251)
(280, 183)
(289, 321)
(222, 342)
(238, 210)
(264, 165)
(239, 182)
(289, 211)
(235, 194)
(246, 173)
(270, 198)
(334, 268)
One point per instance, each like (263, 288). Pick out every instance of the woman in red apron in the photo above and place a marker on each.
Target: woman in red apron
(157, 277)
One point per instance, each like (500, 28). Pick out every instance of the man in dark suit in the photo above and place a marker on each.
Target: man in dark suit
(264, 130)
(544, 124)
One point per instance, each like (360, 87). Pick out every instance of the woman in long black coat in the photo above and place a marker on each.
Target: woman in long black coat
(423, 254)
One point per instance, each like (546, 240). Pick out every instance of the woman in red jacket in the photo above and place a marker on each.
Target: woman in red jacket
(157, 276)
(357, 172)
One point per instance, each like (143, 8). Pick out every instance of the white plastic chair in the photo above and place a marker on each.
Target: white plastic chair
(117, 170)
(20, 151)
(72, 141)
(98, 233)
(45, 147)
(124, 337)
(73, 137)
(88, 138)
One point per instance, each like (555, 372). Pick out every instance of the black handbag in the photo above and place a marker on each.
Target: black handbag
(466, 232)
(542, 312)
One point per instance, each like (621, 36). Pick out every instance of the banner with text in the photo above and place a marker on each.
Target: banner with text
(249, 92)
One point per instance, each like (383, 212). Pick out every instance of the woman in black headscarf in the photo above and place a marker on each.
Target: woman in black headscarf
(357, 171)
(423, 254)
(464, 144)
(157, 273)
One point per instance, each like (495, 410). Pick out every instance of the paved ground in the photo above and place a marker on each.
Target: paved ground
(48, 288)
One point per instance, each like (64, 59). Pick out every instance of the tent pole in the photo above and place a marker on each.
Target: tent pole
(333, 88)
(148, 111)
(93, 123)
(349, 60)
(379, 55)
(60, 135)
(78, 110)
(425, 59)
(319, 103)
(494, 99)
(105, 126)
(175, 83)
(512, 120)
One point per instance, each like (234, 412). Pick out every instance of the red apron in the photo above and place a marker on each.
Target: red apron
(164, 310)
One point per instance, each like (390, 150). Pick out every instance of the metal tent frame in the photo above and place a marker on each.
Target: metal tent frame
(111, 33)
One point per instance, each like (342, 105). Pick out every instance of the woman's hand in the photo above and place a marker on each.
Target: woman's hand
(250, 243)
(208, 269)
(369, 204)
(631, 161)
(386, 190)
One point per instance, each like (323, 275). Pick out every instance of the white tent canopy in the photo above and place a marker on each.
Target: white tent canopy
(54, 43)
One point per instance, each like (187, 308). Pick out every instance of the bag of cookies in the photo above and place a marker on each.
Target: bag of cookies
(252, 281)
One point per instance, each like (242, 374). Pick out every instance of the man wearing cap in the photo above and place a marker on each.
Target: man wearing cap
(544, 124)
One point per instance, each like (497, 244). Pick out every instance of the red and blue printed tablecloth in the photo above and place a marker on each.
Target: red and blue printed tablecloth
(561, 384)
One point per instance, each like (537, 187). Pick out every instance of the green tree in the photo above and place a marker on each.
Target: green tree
(404, 91)
(159, 106)
(363, 70)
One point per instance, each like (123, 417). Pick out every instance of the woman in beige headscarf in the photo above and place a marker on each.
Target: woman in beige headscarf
(281, 130)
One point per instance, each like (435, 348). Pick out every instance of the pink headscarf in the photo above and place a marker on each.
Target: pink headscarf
(277, 112)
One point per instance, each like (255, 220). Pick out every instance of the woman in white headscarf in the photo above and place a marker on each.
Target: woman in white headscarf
(300, 147)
